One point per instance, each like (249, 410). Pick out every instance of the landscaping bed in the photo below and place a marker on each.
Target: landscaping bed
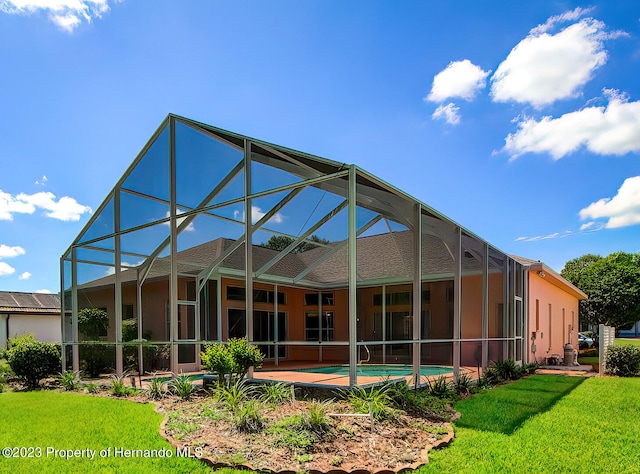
(289, 440)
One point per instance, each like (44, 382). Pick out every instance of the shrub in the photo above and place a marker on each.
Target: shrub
(19, 340)
(70, 380)
(129, 330)
(623, 361)
(316, 417)
(440, 387)
(234, 395)
(248, 417)
(5, 370)
(530, 368)
(275, 393)
(232, 359)
(119, 389)
(463, 384)
(374, 400)
(183, 386)
(93, 322)
(507, 369)
(156, 389)
(31, 360)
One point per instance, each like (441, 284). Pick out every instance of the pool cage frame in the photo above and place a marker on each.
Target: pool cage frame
(153, 210)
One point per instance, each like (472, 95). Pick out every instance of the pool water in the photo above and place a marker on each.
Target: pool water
(374, 370)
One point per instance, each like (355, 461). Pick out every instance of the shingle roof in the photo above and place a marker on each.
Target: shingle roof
(381, 256)
(16, 302)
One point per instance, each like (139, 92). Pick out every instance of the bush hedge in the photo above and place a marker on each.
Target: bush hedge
(31, 360)
(623, 361)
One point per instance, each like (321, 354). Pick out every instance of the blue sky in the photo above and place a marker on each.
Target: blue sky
(519, 120)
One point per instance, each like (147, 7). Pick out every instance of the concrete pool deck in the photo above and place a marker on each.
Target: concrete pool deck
(291, 375)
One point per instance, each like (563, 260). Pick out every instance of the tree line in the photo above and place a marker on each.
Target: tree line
(612, 284)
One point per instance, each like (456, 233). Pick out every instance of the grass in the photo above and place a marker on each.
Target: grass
(547, 424)
(75, 421)
(626, 342)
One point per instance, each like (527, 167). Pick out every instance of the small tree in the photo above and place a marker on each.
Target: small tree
(233, 359)
(32, 360)
(93, 323)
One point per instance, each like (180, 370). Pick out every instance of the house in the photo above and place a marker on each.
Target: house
(182, 248)
(35, 313)
(553, 311)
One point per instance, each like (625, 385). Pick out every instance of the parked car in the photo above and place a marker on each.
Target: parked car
(584, 341)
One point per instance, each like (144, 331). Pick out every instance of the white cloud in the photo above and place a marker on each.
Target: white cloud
(554, 235)
(611, 130)
(449, 113)
(66, 22)
(66, 14)
(8, 252)
(44, 291)
(257, 214)
(6, 269)
(190, 227)
(621, 210)
(545, 67)
(24, 276)
(9, 205)
(459, 79)
(65, 209)
(42, 181)
(562, 18)
(587, 225)
(123, 266)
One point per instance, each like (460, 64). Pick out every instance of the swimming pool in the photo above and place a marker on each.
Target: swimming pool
(379, 370)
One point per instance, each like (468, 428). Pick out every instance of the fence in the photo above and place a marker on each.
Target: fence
(606, 337)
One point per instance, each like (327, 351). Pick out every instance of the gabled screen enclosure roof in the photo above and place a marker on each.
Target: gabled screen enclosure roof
(195, 173)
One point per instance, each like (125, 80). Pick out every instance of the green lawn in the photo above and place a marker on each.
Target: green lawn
(542, 424)
(626, 342)
(69, 421)
(547, 424)
(589, 360)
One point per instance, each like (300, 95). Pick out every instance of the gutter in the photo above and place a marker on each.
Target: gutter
(549, 274)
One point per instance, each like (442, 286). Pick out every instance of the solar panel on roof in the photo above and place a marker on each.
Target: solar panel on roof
(7, 300)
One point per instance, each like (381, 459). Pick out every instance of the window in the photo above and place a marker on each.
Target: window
(394, 299)
(312, 326)
(426, 324)
(127, 311)
(237, 323)
(311, 299)
(267, 296)
(426, 296)
(237, 293)
(399, 325)
(450, 295)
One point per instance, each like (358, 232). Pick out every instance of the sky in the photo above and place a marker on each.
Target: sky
(518, 120)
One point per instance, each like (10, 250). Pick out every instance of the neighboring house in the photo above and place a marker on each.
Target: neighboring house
(35, 313)
(388, 279)
(633, 331)
(553, 311)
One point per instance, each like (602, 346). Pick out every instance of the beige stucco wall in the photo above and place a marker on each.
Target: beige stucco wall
(553, 316)
(45, 328)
